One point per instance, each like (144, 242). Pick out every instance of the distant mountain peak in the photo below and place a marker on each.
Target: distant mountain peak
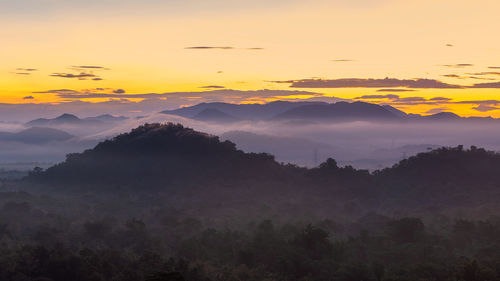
(67, 116)
(212, 114)
(36, 135)
(445, 115)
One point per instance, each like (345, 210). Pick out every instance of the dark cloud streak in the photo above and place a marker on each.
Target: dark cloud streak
(370, 83)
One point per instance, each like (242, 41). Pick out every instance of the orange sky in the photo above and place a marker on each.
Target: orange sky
(143, 46)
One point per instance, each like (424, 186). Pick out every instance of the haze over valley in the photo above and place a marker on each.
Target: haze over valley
(301, 133)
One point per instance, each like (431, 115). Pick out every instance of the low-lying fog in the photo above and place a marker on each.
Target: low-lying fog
(360, 144)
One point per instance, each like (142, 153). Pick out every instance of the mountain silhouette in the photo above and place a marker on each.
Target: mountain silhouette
(395, 110)
(214, 115)
(106, 118)
(70, 119)
(307, 112)
(443, 116)
(63, 119)
(36, 135)
(340, 111)
(156, 156)
(241, 111)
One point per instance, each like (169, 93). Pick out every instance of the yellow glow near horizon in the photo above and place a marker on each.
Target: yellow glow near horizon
(146, 51)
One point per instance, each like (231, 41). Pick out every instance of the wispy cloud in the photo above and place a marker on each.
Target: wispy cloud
(26, 69)
(449, 45)
(492, 85)
(458, 65)
(370, 97)
(79, 76)
(468, 76)
(370, 83)
(440, 99)
(395, 90)
(342, 60)
(221, 48)
(28, 98)
(485, 73)
(479, 102)
(84, 72)
(95, 67)
(453, 76)
(210, 48)
(398, 100)
(485, 108)
(212, 87)
(183, 98)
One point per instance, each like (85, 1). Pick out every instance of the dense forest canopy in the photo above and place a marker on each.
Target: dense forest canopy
(164, 202)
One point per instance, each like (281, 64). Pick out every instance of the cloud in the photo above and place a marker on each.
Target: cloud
(221, 48)
(440, 99)
(80, 76)
(368, 97)
(395, 90)
(182, 98)
(23, 73)
(493, 85)
(342, 60)
(210, 48)
(453, 76)
(28, 98)
(479, 78)
(485, 108)
(119, 91)
(484, 73)
(437, 110)
(85, 72)
(58, 91)
(370, 83)
(479, 102)
(449, 45)
(494, 67)
(27, 69)
(395, 99)
(412, 99)
(89, 67)
(213, 87)
(468, 77)
(458, 65)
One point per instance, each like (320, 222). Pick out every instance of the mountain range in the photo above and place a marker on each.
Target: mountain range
(36, 135)
(309, 111)
(70, 119)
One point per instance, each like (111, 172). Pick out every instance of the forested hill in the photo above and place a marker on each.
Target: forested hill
(443, 178)
(156, 155)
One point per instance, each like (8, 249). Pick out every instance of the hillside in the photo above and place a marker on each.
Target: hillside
(157, 156)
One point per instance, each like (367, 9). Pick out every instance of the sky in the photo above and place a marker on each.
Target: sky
(420, 56)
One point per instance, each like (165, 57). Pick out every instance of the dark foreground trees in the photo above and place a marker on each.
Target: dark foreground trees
(402, 249)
